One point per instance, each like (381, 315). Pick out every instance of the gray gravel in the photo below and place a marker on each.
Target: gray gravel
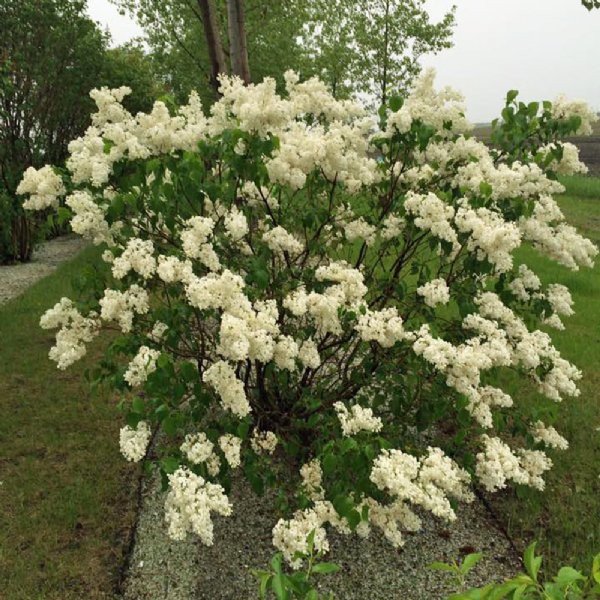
(15, 279)
(371, 569)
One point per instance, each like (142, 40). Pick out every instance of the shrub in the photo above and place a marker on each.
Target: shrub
(567, 584)
(322, 299)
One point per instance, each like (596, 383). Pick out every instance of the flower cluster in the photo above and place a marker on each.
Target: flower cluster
(498, 463)
(356, 419)
(134, 442)
(434, 292)
(43, 186)
(189, 504)
(143, 363)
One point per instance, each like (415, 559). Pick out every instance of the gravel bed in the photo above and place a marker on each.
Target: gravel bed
(371, 569)
(15, 279)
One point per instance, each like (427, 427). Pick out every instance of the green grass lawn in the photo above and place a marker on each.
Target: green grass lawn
(67, 497)
(565, 518)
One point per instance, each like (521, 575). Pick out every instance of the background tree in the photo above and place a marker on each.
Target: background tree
(372, 47)
(132, 66)
(366, 47)
(50, 57)
(191, 40)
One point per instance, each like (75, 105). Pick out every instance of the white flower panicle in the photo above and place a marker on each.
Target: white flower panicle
(74, 333)
(569, 163)
(44, 187)
(173, 270)
(547, 435)
(190, 502)
(357, 419)
(432, 214)
(498, 463)
(123, 306)
(196, 244)
(221, 377)
(525, 284)
(384, 326)
(134, 442)
(236, 225)
(197, 448)
(142, 365)
(263, 442)
(312, 479)
(430, 108)
(158, 332)
(281, 242)
(563, 108)
(434, 292)
(308, 354)
(88, 217)
(427, 482)
(290, 537)
(231, 447)
(138, 256)
(490, 236)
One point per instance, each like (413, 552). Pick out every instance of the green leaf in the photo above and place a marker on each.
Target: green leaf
(343, 504)
(329, 464)
(512, 94)
(278, 587)
(532, 109)
(531, 561)
(137, 405)
(310, 541)
(518, 593)
(162, 411)
(170, 426)
(485, 188)
(596, 568)
(395, 103)
(162, 361)
(276, 563)
(568, 575)
(64, 214)
(188, 371)
(264, 584)
(440, 566)
(169, 464)
(325, 568)
(470, 561)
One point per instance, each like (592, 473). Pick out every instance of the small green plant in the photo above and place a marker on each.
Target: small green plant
(567, 584)
(297, 585)
(459, 571)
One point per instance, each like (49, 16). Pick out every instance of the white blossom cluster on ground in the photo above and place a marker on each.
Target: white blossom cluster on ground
(299, 289)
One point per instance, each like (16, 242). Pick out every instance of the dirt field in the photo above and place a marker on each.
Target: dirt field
(589, 152)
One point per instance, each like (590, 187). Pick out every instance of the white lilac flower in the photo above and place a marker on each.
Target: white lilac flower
(134, 442)
(190, 502)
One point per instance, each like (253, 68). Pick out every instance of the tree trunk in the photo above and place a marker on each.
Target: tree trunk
(22, 237)
(213, 41)
(385, 53)
(238, 48)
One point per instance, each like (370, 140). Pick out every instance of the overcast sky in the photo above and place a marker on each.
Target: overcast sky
(540, 47)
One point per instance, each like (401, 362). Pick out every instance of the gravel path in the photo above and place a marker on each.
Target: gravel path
(15, 279)
(371, 569)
